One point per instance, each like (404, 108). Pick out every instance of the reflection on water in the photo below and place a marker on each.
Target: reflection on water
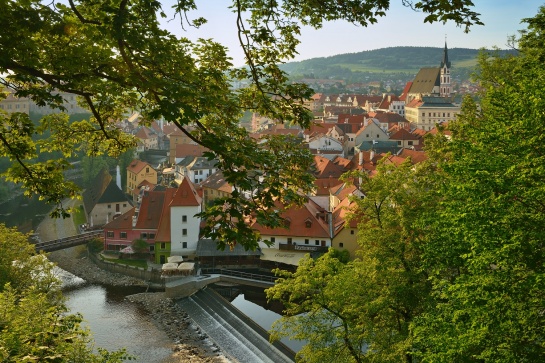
(116, 323)
(252, 301)
(24, 213)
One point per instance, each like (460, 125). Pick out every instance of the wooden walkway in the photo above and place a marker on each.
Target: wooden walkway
(67, 242)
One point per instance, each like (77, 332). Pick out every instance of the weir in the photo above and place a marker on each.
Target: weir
(238, 336)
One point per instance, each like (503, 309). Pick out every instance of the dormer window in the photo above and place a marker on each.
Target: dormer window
(308, 224)
(287, 222)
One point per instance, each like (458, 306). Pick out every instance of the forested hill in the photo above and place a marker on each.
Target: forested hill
(407, 60)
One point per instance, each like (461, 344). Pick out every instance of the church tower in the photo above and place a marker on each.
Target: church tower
(445, 74)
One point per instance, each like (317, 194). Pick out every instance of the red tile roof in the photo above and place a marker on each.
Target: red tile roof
(150, 210)
(186, 195)
(298, 217)
(137, 165)
(416, 156)
(183, 150)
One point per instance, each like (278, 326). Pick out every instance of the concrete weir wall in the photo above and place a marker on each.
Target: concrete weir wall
(189, 285)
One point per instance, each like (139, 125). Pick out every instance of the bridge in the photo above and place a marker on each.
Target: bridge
(67, 242)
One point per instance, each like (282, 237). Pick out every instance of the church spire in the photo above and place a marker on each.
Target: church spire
(445, 61)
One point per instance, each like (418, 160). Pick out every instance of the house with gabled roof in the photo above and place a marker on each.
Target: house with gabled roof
(325, 145)
(325, 168)
(196, 168)
(179, 228)
(165, 219)
(406, 139)
(148, 139)
(370, 132)
(214, 187)
(415, 155)
(185, 150)
(307, 229)
(391, 103)
(345, 228)
(139, 223)
(178, 137)
(104, 200)
(137, 172)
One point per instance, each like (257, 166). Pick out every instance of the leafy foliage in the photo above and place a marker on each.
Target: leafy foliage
(361, 311)
(34, 322)
(488, 262)
(116, 57)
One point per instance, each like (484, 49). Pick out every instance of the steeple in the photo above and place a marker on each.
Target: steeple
(445, 60)
(445, 89)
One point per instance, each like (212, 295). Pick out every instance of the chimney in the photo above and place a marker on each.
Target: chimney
(360, 161)
(372, 155)
(118, 177)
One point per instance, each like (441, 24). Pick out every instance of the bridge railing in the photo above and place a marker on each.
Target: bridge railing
(241, 274)
(66, 242)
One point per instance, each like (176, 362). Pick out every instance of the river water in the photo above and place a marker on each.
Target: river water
(114, 322)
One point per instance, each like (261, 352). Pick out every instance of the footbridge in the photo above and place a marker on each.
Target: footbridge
(67, 242)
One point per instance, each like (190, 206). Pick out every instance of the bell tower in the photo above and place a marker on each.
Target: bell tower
(445, 89)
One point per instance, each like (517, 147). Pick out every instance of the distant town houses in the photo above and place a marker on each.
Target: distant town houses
(13, 104)
(350, 132)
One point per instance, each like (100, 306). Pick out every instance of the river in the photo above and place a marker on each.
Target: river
(115, 322)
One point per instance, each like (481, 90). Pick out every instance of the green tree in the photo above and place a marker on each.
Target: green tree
(486, 252)
(361, 311)
(140, 246)
(116, 57)
(34, 322)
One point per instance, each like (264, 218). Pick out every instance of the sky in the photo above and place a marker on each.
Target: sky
(400, 27)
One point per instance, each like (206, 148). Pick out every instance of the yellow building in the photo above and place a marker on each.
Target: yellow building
(426, 113)
(137, 172)
(13, 104)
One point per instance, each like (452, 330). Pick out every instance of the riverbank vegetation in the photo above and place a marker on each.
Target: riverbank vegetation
(452, 260)
(34, 322)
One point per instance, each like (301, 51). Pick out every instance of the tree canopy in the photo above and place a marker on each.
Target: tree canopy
(115, 56)
(34, 322)
(455, 246)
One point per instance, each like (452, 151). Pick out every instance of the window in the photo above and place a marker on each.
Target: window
(409, 142)
(184, 219)
(317, 242)
(341, 245)
(290, 240)
(306, 241)
(378, 136)
(151, 248)
(124, 205)
(366, 135)
(147, 170)
(273, 239)
(351, 231)
(123, 235)
(184, 244)
(144, 235)
(163, 245)
(184, 232)
(110, 234)
(109, 206)
(308, 224)
(399, 143)
(151, 236)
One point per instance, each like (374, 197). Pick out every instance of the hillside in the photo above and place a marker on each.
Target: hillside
(382, 64)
